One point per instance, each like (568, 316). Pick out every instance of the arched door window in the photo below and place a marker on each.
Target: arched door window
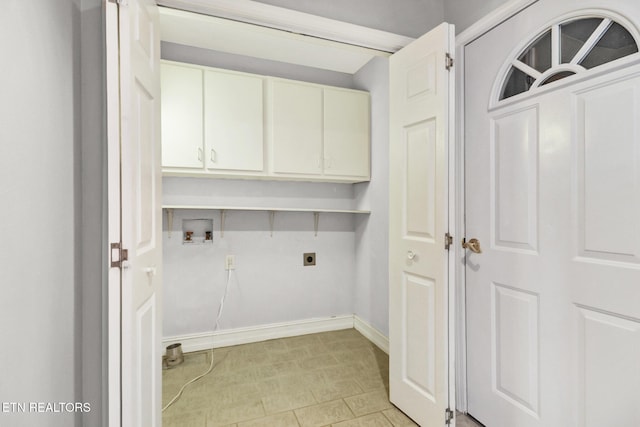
(566, 49)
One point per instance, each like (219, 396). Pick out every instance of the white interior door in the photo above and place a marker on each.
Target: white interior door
(137, 122)
(420, 91)
(552, 193)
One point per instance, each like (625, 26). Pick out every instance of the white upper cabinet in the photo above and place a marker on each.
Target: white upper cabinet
(182, 133)
(227, 124)
(346, 133)
(319, 131)
(296, 128)
(233, 121)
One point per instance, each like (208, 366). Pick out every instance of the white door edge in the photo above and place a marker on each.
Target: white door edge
(457, 196)
(452, 195)
(114, 394)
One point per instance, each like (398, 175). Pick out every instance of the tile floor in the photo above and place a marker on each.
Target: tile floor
(337, 379)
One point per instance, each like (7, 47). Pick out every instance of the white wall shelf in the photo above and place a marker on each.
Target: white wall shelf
(272, 211)
(265, 209)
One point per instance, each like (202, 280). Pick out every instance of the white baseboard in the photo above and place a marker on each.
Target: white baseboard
(204, 341)
(371, 333)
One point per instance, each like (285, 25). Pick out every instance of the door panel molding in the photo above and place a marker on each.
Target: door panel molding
(514, 213)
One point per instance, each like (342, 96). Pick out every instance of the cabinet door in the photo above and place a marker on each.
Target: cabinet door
(296, 126)
(182, 138)
(233, 115)
(346, 133)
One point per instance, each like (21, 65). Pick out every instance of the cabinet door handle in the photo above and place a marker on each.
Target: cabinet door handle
(213, 155)
(327, 162)
(200, 153)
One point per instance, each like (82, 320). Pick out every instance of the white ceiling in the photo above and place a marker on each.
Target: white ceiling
(258, 41)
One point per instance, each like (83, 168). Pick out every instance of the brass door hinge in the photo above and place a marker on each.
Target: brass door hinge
(448, 416)
(122, 255)
(448, 61)
(448, 241)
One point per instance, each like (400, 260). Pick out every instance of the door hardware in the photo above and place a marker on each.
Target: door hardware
(448, 416)
(448, 61)
(122, 255)
(448, 241)
(473, 245)
(411, 255)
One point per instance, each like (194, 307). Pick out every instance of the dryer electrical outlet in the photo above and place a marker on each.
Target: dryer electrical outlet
(309, 258)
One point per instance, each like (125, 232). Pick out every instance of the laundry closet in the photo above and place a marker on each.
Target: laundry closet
(275, 183)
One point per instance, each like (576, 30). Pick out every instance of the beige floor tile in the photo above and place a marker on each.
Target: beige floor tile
(372, 382)
(318, 362)
(298, 382)
(333, 390)
(398, 418)
(278, 382)
(233, 395)
(244, 411)
(301, 341)
(341, 371)
(368, 403)
(323, 414)
(373, 420)
(316, 348)
(184, 421)
(287, 354)
(275, 345)
(287, 401)
(286, 419)
(277, 369)
(344, 334)
(357, 344)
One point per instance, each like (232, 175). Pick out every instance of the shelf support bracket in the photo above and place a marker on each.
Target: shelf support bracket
(223, 215)
(169, 222)
(316, 220)
(272, 217)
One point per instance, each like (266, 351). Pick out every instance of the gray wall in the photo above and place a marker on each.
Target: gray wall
(93, 229)
(372, 232)
(270, 284)
(39, 219)
(407, 17)
(463, 13)
(51, 305)
(248, 64)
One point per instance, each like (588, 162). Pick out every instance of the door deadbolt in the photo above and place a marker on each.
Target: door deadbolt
(473, 245)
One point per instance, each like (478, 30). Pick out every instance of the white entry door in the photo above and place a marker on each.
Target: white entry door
(552, 193)
(134, 161)
(420, 94)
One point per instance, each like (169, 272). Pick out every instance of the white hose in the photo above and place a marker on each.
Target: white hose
(211, 366)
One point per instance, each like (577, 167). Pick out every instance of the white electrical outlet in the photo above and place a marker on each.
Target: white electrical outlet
(230, 262)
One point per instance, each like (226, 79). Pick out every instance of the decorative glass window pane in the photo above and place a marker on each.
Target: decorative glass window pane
(538, 56)
(616, 43)
(580, 43)
(517, 82)
(557, 76)
(573, 35)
